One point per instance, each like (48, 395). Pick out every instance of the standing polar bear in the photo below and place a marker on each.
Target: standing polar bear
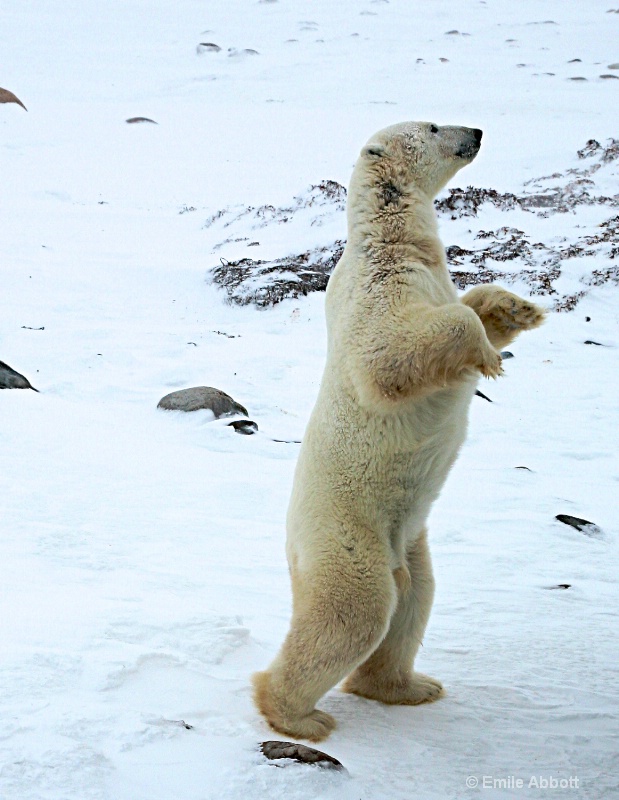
(404, 356)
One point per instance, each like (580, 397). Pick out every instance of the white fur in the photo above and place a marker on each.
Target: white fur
(404, 357)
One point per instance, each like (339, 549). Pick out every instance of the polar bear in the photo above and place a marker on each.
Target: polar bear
(403, 359)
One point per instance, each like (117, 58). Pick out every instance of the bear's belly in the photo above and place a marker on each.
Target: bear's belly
(381, 471)
(405, 474)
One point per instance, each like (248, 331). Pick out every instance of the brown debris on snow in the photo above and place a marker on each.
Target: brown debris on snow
(9, 97)
(275, 750)
(266, 283)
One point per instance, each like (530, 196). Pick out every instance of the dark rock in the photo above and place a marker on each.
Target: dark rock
(481, 394)
(10, 379)
(582, 525)
(528, 469)
(559, 586)
(299, 752)
(180, 722)
(133, 120)
(599, 344)
(248, 51)
(506, 354)
(207, 47)
(220, 403)
(245, 426)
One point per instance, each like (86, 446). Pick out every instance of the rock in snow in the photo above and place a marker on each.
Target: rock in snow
(583, 525)
(220, 403)
(9, 97)
(10, 379)
(245, 426)
(274, 750)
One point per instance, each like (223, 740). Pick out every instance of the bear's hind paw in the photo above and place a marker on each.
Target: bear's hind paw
(414, 689)
(315, 727)
(419, 689)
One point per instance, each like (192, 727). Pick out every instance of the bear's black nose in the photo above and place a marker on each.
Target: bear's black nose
(477, 134)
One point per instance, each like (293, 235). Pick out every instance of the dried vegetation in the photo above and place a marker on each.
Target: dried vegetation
(506, 254)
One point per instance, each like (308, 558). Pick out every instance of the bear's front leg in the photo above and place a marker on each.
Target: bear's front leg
(503, 314)
(427, 348)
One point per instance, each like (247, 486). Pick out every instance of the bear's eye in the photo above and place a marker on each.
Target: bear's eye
(433, 129)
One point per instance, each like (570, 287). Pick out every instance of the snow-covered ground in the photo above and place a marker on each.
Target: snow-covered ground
(142, 551)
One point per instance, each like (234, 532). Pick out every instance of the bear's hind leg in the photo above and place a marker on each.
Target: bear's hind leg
(388, 675)
(279, 712)
(333, 629)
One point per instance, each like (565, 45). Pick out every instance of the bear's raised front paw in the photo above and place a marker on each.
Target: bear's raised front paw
(513, 313)
(489, 363)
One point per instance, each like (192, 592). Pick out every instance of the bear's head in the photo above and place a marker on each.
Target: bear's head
(419, 154)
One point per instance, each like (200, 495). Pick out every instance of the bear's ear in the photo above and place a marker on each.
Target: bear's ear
(373, 150)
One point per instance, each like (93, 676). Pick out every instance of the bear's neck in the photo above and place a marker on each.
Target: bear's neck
(394, 224)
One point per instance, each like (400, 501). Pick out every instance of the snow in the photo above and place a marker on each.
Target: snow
(143, 568)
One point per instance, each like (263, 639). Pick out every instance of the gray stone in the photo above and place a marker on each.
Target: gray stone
(220, 403)
(10, 379)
